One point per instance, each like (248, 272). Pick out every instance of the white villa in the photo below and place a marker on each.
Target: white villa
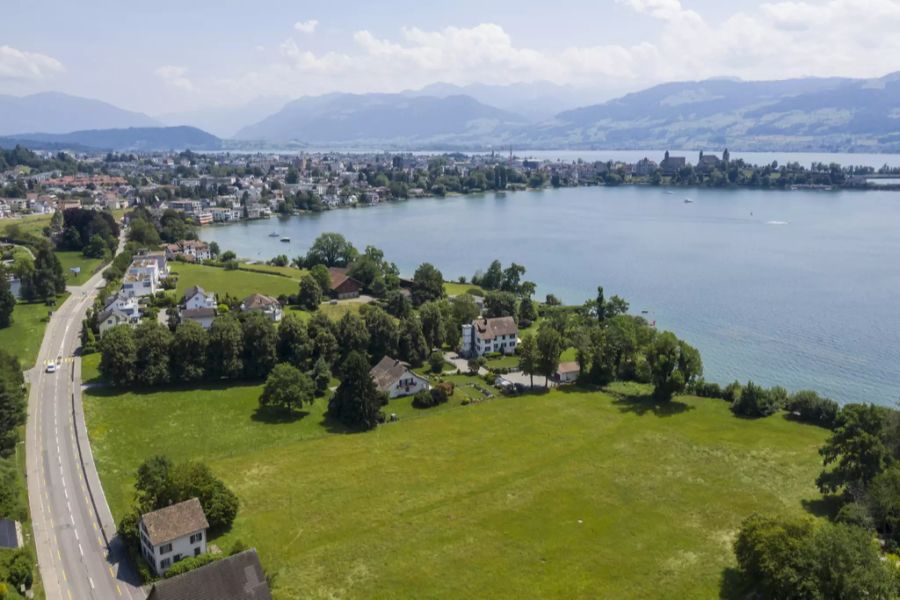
(263, 304)
(482, 336)
(196, 297)
(395, 379)
(121, 309)
(173, 533)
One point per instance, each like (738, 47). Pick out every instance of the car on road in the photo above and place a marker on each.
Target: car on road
(51, 367)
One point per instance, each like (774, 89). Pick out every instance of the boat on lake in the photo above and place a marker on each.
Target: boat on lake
(285, 239)
(688, 201)
(274, 234)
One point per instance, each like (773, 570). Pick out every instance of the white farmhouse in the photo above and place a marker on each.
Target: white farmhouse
(483, 336)
(196, 297)
(395, 379)
(173, 533)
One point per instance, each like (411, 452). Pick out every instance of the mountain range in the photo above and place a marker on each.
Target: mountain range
(823, 114)
(136, 139)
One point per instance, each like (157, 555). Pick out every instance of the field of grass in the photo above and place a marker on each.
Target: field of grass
(238, 283)
(566, 494)
(23, 338)
(455, 289)
(88, 266)
(282, 271)
(28, 224)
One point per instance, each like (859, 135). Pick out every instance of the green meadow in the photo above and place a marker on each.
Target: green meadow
(566, 494)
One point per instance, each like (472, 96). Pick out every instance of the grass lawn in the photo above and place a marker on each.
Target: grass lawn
(29, 224)
(282, 271)
(88, 266)
(455, 289)
(566, 494)
(238, 283)
(23, 338)
(510, 361)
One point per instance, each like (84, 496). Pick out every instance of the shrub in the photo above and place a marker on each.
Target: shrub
(436, 362)
(191, 563)
(755, 401)
(429, 398)
(732, 391)
(707, 389)
(809, 407)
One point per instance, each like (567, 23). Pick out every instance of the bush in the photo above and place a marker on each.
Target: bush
(433, 397)
(436, 362)
(809, 407)
(191, 563)
(732, 391)
(706, 389)
(755, 401)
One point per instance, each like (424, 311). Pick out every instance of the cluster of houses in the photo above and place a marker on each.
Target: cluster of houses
(179, 531)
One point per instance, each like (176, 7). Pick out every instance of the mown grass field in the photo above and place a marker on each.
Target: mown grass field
(70, 259)
(23, 338)
(238, 283)
(567, 494)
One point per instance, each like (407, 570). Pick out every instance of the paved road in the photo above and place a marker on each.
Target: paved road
(79, 555)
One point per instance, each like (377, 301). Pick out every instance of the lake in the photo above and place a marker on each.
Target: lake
(800, 289)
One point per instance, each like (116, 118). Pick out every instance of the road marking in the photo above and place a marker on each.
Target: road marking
(91, 581)
(118, 589)
(111, 574)
(76, 533)
(59, 556)
(100, 542)
(80, 549)
(65, 577)
(70, 594)
(94, 523)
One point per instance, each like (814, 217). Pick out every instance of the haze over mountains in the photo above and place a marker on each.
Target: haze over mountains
(832, 114)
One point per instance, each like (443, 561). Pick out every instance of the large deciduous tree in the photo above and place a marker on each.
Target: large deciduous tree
(287, 388)
(118, 355)
(226, 348)
(153, 345)
(673, 364)
(356, 403)
(857, 450)
(428, 284)
(260, 345)
(331, 250)
(189, 346)
(310, 295)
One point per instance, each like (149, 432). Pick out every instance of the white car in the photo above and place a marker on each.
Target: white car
(51, 367)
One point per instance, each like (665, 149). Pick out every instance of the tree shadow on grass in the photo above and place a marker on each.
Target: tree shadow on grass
(110, 390)
(825, 506)
(644, 404)
(733, 585)
(277, 416)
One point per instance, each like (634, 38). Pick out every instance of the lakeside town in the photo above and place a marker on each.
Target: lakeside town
(222, 188)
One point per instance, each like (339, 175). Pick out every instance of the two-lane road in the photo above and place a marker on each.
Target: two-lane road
(79, 556)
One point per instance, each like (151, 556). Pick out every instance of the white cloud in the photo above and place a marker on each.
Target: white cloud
(306, 26)
(175, 76)
(777, 40)
(19, 64)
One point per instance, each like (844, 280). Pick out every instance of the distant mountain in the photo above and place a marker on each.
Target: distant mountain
(131, 139)
(52, 112)
(226, 121)
(395, 119)
(799, 114)
(536, 101)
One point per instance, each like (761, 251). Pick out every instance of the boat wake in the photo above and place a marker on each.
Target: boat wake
(776, 222)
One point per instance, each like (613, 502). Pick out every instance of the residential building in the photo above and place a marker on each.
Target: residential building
(567, 372)
(483, 336)
(263, 304)
(173, 533)
(342, 285)
(194, 250)
(139, 284)
(203, 316)
(196, 297)
(394, 378)
(237, 577)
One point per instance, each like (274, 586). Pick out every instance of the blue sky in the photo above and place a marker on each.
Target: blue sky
(165, 56)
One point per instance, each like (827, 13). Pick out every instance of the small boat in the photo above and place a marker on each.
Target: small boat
(670, 192)
(688, 201)
(285, 239)
(274, 234)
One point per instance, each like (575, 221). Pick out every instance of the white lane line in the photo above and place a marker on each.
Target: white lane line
(91, 581)
(80, 549)
(76, 535)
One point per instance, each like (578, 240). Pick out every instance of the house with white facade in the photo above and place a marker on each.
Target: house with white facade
(173, 533)
(139, 284)
(196, 297)
(394, 378)
(121, 309)
(261, 303)
(483, 336)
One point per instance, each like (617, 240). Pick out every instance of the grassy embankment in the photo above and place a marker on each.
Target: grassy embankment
(568, 494)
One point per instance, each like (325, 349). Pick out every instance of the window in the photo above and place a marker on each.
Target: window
(165, 548)
(197, 551)
(197, 537)
(164, 563)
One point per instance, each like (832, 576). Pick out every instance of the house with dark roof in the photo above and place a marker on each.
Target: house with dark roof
(173, 533)
(261, 303)
(394, 378)
(484, 336)
(237, 577)
(342, 285)
(672, 164)
(196, 297)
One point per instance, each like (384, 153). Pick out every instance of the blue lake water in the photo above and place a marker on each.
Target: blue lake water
(800, 288)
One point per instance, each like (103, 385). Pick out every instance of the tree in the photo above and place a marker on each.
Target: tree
(294, 345)
(398, 304)
(549, 346)
(226, 348)
(383, 333)
(310, 296)
(857, 449)
(784, 558)
(356, 403)
(96, 247)
(7, 300)
(463, 309)
(808, 406)
(118, 355)
(321, 376)
(411, 344)
(432, 324)
(46, 279)
(493, 278)
(500, 304)
(512, 277)
(754, 401)
(322, 276)
(352, 335)
(436, 361)
(527, 311)
(428, 284)
(673, 364)
(331, 250)
(600, 305)
(260, 345)
(528, 357)
(287, 388)
(12, 407)
(189, 346)
(153, 344)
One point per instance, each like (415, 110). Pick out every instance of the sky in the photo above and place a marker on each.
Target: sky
(168, 56)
